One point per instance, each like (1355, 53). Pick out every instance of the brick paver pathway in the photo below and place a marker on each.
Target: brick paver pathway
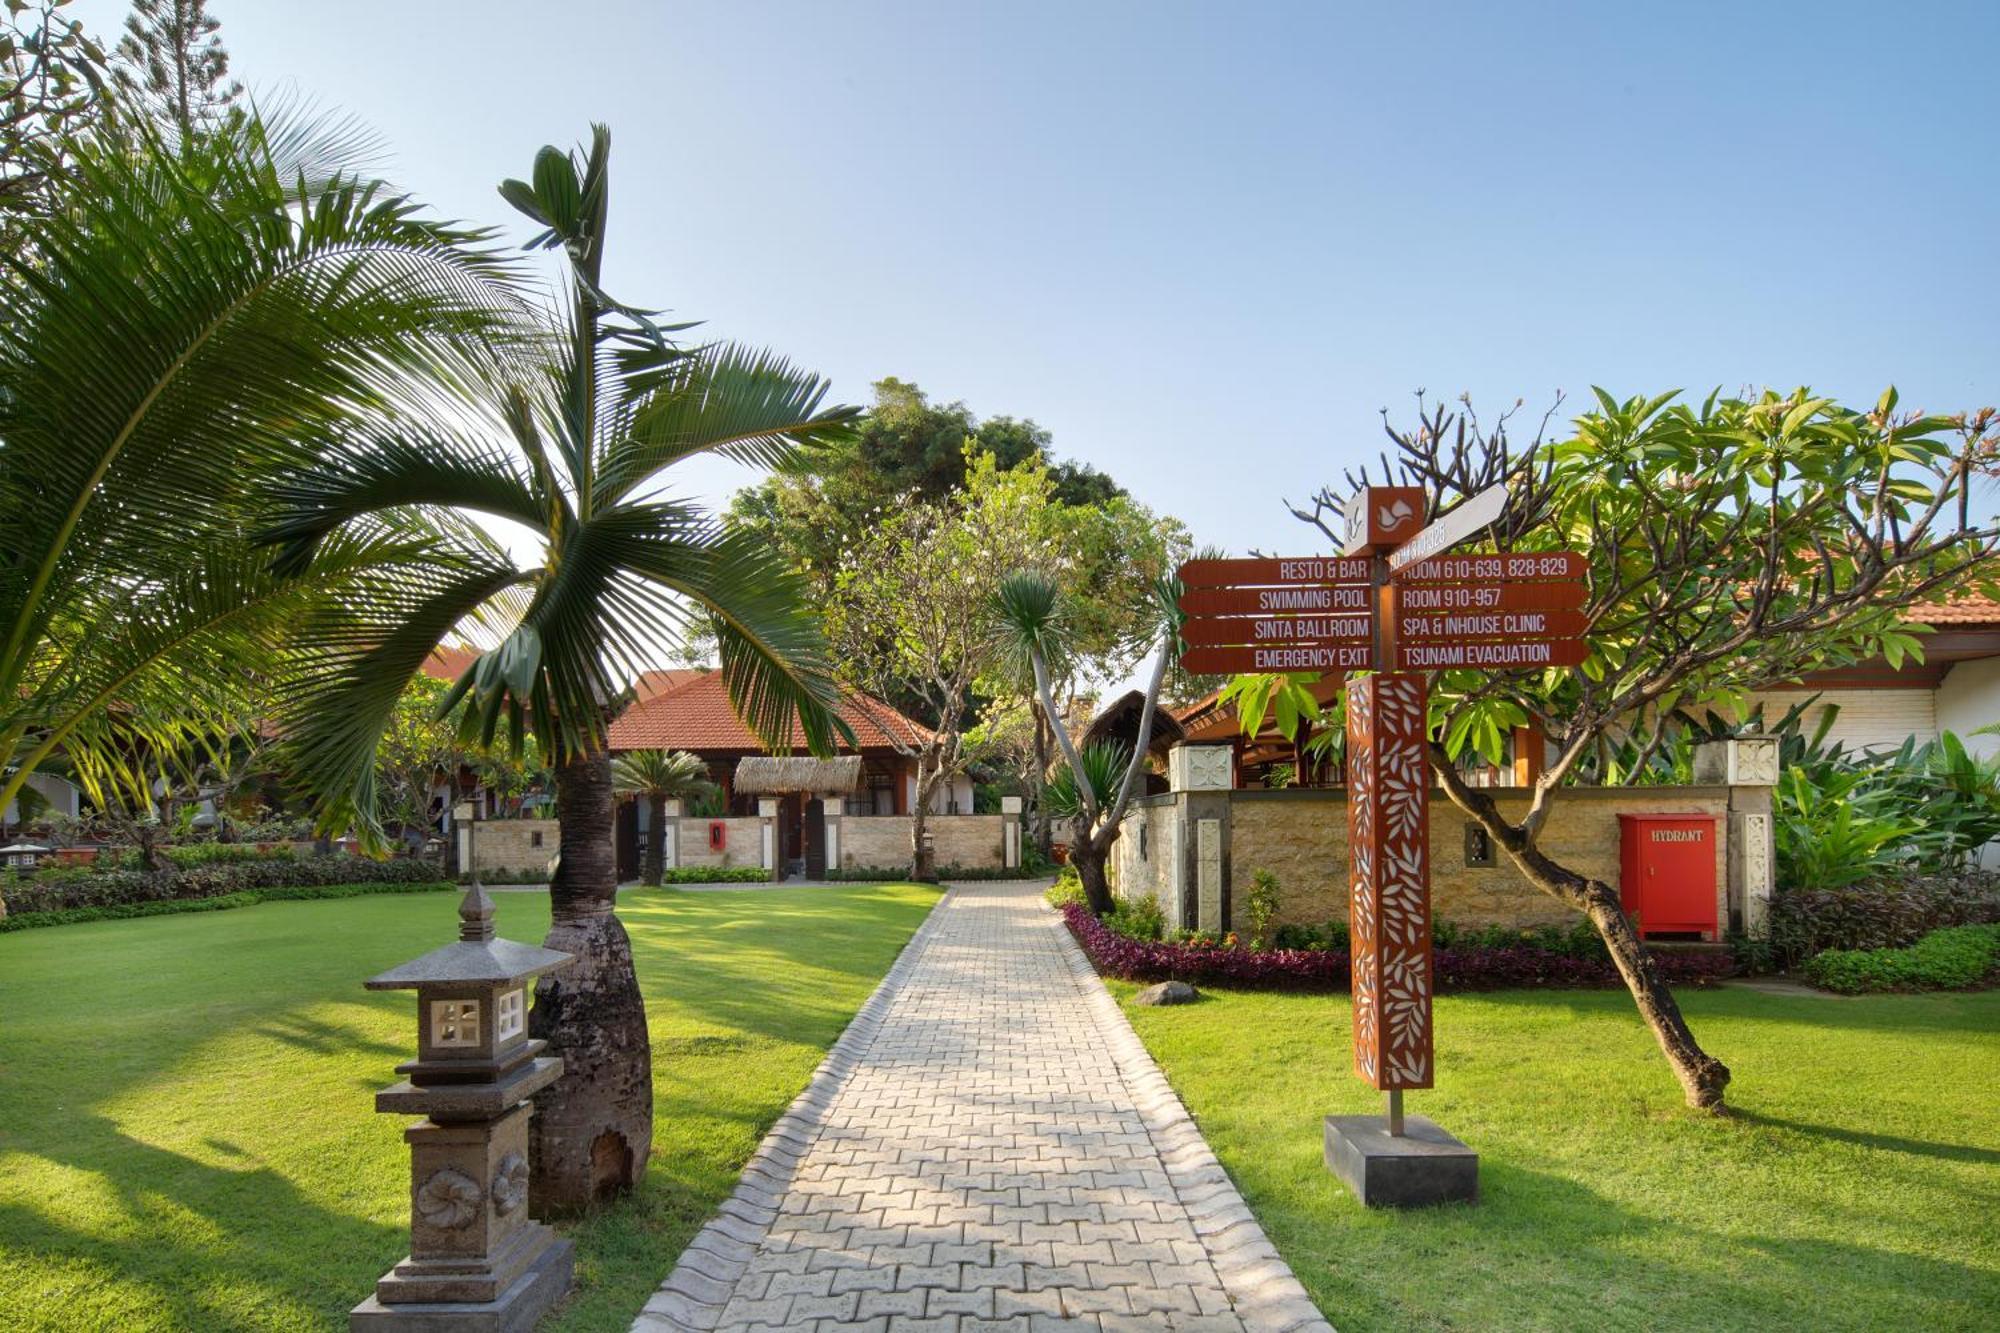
(987, 1147)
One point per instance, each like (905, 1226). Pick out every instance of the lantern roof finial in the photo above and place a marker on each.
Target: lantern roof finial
(475, 915)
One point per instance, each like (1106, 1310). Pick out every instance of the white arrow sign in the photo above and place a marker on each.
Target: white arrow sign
(1452, 529)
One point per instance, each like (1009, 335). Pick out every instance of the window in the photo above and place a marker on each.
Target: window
(535, 838)
(511, 1016)
(454, 1023)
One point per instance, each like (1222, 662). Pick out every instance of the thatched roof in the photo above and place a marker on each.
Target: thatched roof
(774, 775)
(1120, 722)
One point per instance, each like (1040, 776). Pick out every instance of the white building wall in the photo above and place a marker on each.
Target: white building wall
(1968, 699)
(1869, 719)
(959, 789)
(63, 796)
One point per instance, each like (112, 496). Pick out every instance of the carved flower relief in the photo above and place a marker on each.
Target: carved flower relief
(510, 1183)
(449, 1199)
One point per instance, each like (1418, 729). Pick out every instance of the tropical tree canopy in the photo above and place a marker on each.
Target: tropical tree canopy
(196, 320)
(572, 447)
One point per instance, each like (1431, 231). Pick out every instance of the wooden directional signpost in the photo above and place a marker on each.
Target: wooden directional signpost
(1397, 606)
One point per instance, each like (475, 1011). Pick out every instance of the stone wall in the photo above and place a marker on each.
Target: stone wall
(743, 842)
(1301, 837)
(515, 844)
(1141, 859)
(869, 842)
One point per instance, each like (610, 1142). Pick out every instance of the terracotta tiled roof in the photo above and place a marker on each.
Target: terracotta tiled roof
(1965, 609)
(653, 684)
(696, 715)
(448, 661)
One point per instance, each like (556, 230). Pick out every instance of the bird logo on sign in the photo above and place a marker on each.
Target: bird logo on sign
(1394, 516)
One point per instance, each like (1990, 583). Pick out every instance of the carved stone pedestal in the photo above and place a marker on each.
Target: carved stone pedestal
(477, 1263)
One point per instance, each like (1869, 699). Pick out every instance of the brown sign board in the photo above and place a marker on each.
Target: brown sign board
(1453, 625)
(1437, 598)
(1278, 657)
(1378, 517)
(1506, 655)
(1273, 571)
(1304, 600)
(1493, 568)
(1280, 629)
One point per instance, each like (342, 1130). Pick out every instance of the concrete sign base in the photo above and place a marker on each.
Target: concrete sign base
(1421, 1166)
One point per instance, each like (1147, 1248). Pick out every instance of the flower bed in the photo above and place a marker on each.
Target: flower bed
(1883, 914)
(218, 903)
(1327, 969)
(69, 890)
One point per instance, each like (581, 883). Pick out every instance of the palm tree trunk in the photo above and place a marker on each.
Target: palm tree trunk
(593, 1128)
(656, 840)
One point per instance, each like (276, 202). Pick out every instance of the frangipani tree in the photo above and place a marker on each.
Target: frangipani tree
(660, 776)
(574, 451)
(1733, 545)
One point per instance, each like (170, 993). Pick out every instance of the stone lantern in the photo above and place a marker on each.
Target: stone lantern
(476, 1261)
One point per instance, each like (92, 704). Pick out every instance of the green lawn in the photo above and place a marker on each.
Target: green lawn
(1857, 1186)
(187, 1132)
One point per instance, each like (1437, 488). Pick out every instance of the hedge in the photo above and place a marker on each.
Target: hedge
(218, 903)
(1954, 958)
(71, 890)
(1327, 969)
(901, 874)
(1889, 914)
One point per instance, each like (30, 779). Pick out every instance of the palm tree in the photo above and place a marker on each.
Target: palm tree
(1095, 785)
(660, 776)
(575, 453)
(191, 319)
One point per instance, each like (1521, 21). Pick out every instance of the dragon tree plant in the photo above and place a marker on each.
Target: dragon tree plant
(1095, 784)
(574, 450)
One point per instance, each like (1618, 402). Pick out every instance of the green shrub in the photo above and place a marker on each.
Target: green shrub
(1068, 888)
(1138, 918)
(1884, 914)
(66, 891)
(1949, 959)
(1260, 905)
(715, 875)
(901, 874)
(218, 903)
(1329, 937)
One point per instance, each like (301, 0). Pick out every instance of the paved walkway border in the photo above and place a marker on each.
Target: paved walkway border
(1267, 1296)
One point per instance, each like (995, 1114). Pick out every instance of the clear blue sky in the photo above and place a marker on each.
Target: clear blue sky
(1204, 244)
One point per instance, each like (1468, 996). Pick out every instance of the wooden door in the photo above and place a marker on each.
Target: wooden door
(815, 827)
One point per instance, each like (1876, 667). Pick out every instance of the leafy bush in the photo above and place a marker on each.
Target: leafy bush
(716, 875)
(1886, 914)
(898, 874)
(69, 891)
(219, 903)
(1332, 935)
(511, 875)
(1067, 889)
(1949, 959)
(1260, 905)
(1137, 918)
(1454, 969)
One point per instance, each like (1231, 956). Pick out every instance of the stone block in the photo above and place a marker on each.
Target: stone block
(518, 1309)
(1422, 1166)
